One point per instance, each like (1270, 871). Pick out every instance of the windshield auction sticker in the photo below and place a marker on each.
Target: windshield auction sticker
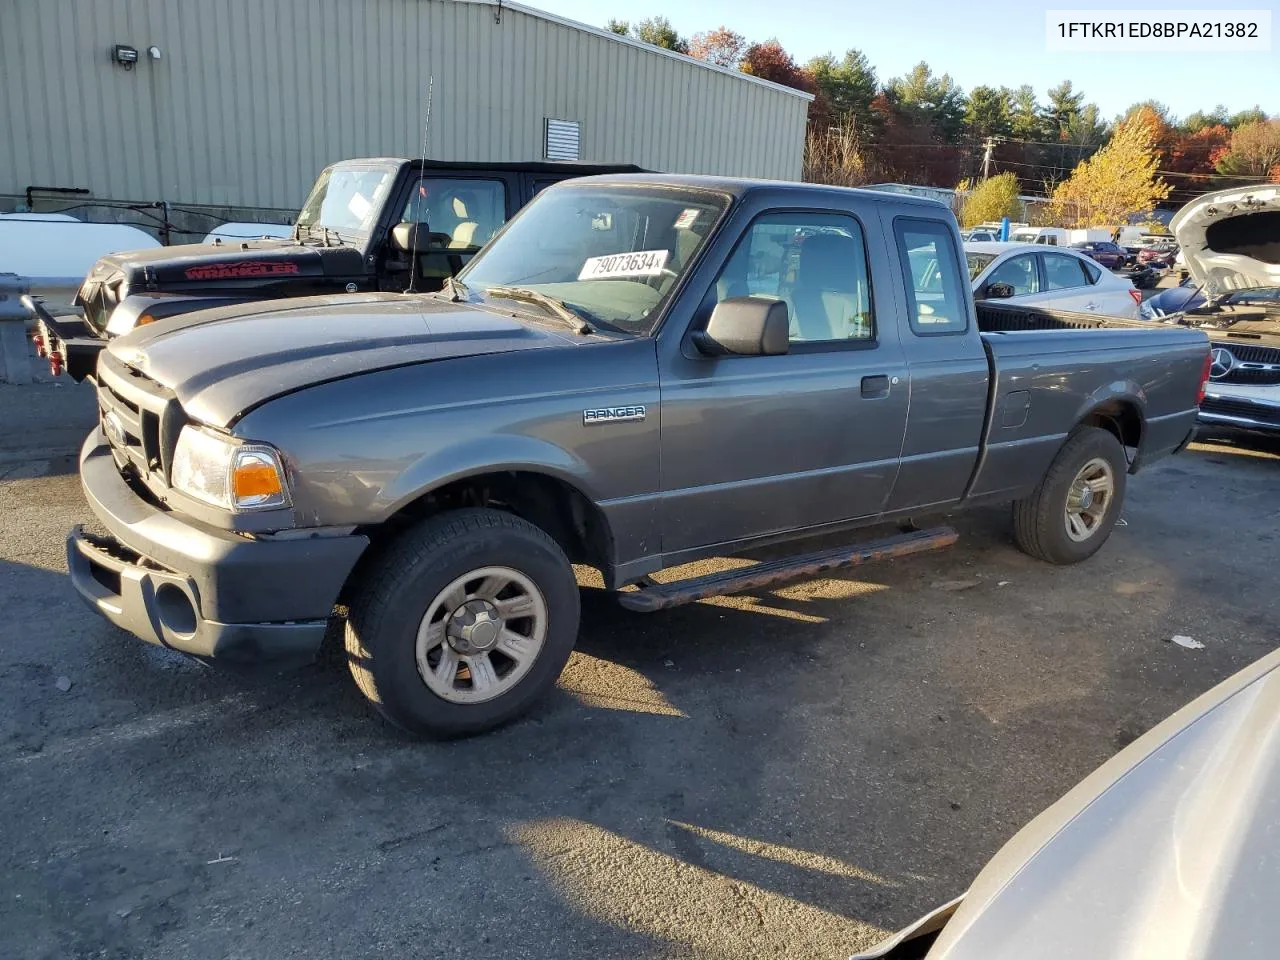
(642, 263)
(1158, 31)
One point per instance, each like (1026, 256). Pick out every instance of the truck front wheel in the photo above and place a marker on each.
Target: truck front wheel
(463, 623)
(1073, 510)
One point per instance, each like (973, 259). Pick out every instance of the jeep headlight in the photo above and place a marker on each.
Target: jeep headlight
(226, 472)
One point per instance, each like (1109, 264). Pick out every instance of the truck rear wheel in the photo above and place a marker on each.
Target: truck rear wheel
(463, 623)
(1073, 511)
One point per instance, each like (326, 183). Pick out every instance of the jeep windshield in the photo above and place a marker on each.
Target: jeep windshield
(345, 202)
(610, 253)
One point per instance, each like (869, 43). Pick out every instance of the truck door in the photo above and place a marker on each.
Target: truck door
(755, 445)
(948, 365)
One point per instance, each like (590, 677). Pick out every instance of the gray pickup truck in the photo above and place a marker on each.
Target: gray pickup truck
(637, 372)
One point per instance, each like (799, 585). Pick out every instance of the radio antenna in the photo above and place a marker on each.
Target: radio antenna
(417, 228)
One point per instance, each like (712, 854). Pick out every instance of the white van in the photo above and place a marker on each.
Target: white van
(1053, 236)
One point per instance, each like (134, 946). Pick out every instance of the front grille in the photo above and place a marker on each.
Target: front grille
(1251, 364)
(141, 420)
(1249, 352)
(1228, 407)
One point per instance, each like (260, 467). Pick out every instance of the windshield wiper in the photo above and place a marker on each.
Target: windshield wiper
(558, 308)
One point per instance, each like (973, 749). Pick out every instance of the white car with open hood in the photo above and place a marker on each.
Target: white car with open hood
(1231, 242)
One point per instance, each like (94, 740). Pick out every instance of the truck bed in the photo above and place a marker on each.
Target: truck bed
(1048, 369)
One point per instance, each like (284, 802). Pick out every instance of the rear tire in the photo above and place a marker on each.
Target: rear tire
(462, 623)
(1072, 512)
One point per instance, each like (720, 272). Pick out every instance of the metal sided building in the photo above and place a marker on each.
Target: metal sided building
(239, 103)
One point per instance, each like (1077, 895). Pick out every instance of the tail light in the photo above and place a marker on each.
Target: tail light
(1204, 378)
(38, 341)
(1137, 296)
(55, 362)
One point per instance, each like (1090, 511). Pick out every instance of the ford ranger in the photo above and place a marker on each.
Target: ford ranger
(371, 224)
(636, 372)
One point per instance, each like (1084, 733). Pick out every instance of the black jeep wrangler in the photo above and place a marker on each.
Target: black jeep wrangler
(373, 224)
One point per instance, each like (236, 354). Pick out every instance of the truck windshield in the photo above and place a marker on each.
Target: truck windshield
(346, 198)
(611, 253)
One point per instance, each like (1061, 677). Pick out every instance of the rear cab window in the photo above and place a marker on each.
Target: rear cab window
(937, 291)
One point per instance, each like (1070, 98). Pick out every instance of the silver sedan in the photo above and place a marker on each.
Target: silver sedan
(1050, 277)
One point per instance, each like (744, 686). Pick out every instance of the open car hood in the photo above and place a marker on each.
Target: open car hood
(1230, 239)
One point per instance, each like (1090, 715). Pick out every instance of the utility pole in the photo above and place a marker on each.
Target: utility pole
(987, 146)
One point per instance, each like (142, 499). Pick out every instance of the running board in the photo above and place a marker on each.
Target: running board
(773, 573)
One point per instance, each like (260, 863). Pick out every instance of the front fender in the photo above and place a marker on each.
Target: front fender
(479, 455)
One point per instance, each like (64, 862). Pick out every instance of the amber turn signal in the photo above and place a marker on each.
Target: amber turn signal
(255, 480)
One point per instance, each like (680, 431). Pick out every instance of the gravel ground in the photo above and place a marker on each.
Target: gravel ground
(790, 774)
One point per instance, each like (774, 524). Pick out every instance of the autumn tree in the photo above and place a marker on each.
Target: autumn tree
(989, 200)
(1116, 182)
(720, 46)
(659, 32)
(1254, 151)
(835, 155)
(1191, 159)
(769, 61)
(621, 27)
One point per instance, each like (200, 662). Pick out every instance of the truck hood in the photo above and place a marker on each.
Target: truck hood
(1168, 850)
(1230, 239)
(222, 363)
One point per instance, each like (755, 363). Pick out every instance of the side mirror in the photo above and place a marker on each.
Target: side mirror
(407, 237)
(746, 326)
(999, 291)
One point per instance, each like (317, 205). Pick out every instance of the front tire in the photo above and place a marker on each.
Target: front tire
(463, 623)
(1074, 509)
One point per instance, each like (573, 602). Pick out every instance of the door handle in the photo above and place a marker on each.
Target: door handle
(875, 387)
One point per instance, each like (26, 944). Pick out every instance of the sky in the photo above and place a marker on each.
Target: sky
(995, 42)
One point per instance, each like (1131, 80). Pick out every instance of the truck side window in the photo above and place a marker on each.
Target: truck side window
(462, 213)
(936, 292)
(816, 263)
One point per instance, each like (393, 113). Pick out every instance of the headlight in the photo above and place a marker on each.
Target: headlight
(227, 473)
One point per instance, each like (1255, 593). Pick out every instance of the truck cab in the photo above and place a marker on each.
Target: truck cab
(367, 225)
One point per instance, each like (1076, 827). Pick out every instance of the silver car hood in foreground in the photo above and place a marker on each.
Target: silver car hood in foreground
(1168, 851)
(1230, 238)
(226, 361)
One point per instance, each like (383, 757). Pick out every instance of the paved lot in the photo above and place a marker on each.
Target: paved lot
(782, 775)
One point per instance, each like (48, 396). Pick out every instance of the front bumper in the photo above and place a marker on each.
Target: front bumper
(206, 592)
(1240, 412)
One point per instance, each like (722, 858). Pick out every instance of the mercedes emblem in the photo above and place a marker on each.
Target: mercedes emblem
(1221, 362)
